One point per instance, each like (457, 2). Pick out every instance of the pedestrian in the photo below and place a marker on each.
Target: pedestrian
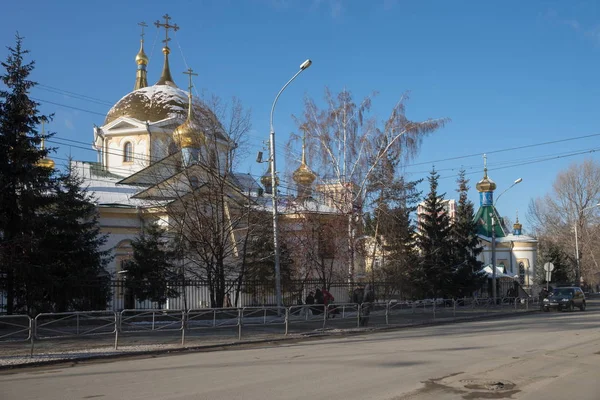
(357, 294)
(367, 304)
(327, 300)
(310, 298)
(319, 301)
(310, 301)
(227, 301)
(543, 294)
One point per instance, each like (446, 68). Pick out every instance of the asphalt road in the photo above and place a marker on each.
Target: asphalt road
(530, 356)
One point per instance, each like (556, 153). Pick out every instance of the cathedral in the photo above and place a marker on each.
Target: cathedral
(159, 148)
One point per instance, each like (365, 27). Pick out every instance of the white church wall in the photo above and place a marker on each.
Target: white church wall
(118, 164)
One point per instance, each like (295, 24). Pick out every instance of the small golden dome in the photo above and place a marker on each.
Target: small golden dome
(141, 57)
(486, 184)
(517, 226)
(304, 176)
(266, 180)
(46, 163)
(189, 135)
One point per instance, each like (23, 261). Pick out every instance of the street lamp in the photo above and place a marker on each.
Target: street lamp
(494, 294)
(578, 271)
(303, 66)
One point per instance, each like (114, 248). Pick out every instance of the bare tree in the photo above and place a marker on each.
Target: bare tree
(347, 146)
(570, 204)
(198, 198)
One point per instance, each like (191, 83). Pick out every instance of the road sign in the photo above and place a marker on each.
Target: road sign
(549, 267)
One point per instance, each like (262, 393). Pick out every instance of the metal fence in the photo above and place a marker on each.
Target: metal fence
(195, 294)
(278, 320)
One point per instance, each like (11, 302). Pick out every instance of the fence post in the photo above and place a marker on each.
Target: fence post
(434, 301)
(117, 328)
(240, 314)
(77, 323)
(387, 313)
(454, 308)
(31, 334)
(183, 325)
(287, 319)
(358, 314)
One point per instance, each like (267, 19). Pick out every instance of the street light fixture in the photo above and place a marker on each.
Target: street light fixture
(578, 271)
(494, 294)
(303, 66)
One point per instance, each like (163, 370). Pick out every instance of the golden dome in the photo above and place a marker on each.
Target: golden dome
(141, 57)
(304, 176)
(266, 180)
(486, 184)
(159, 102)
(189, 134)
(152, 103)
(46, 163)
(517, 226)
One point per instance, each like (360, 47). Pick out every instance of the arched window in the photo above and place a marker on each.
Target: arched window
(128, 152)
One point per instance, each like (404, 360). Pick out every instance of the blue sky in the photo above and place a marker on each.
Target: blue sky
(510, 75)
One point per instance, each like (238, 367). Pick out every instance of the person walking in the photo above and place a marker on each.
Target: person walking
(227, 302)
(320, 301)
(310, 301)
(367, 304)
(327, 300)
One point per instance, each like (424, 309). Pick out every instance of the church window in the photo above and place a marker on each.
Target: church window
(128, 152)
(521, 273)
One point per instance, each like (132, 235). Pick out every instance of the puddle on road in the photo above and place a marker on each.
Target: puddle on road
(469, 389)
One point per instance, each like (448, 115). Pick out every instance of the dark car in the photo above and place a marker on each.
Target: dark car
(565, 298)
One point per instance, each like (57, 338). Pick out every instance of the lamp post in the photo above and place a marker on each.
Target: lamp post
(578, 270)
(494, 294)
(303, 66)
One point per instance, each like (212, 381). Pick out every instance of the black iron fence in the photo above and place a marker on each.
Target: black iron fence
(193, 294)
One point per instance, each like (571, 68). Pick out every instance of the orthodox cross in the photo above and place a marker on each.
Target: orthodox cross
(143, 25)
(485, 161)
(190, 72)
(167, 26)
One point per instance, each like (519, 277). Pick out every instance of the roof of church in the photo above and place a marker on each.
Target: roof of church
(484, 222)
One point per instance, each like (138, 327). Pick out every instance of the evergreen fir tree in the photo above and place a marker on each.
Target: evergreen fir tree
(70, 251)
(391, 225)
(151, 273)
(25, 187)
(550, 251)
(467, 274)
(435, 244)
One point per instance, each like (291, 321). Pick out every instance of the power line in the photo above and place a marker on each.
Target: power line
(66, 106)
(503, 150)
(73, 94)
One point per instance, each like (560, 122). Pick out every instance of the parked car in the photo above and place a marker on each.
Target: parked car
(565, 298)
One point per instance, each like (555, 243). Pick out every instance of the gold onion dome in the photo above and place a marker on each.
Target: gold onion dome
(189, 134)
(517, 225)
(486, 184)
(304, 176)
(141, 58)
(266, 179)
(46, 163)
